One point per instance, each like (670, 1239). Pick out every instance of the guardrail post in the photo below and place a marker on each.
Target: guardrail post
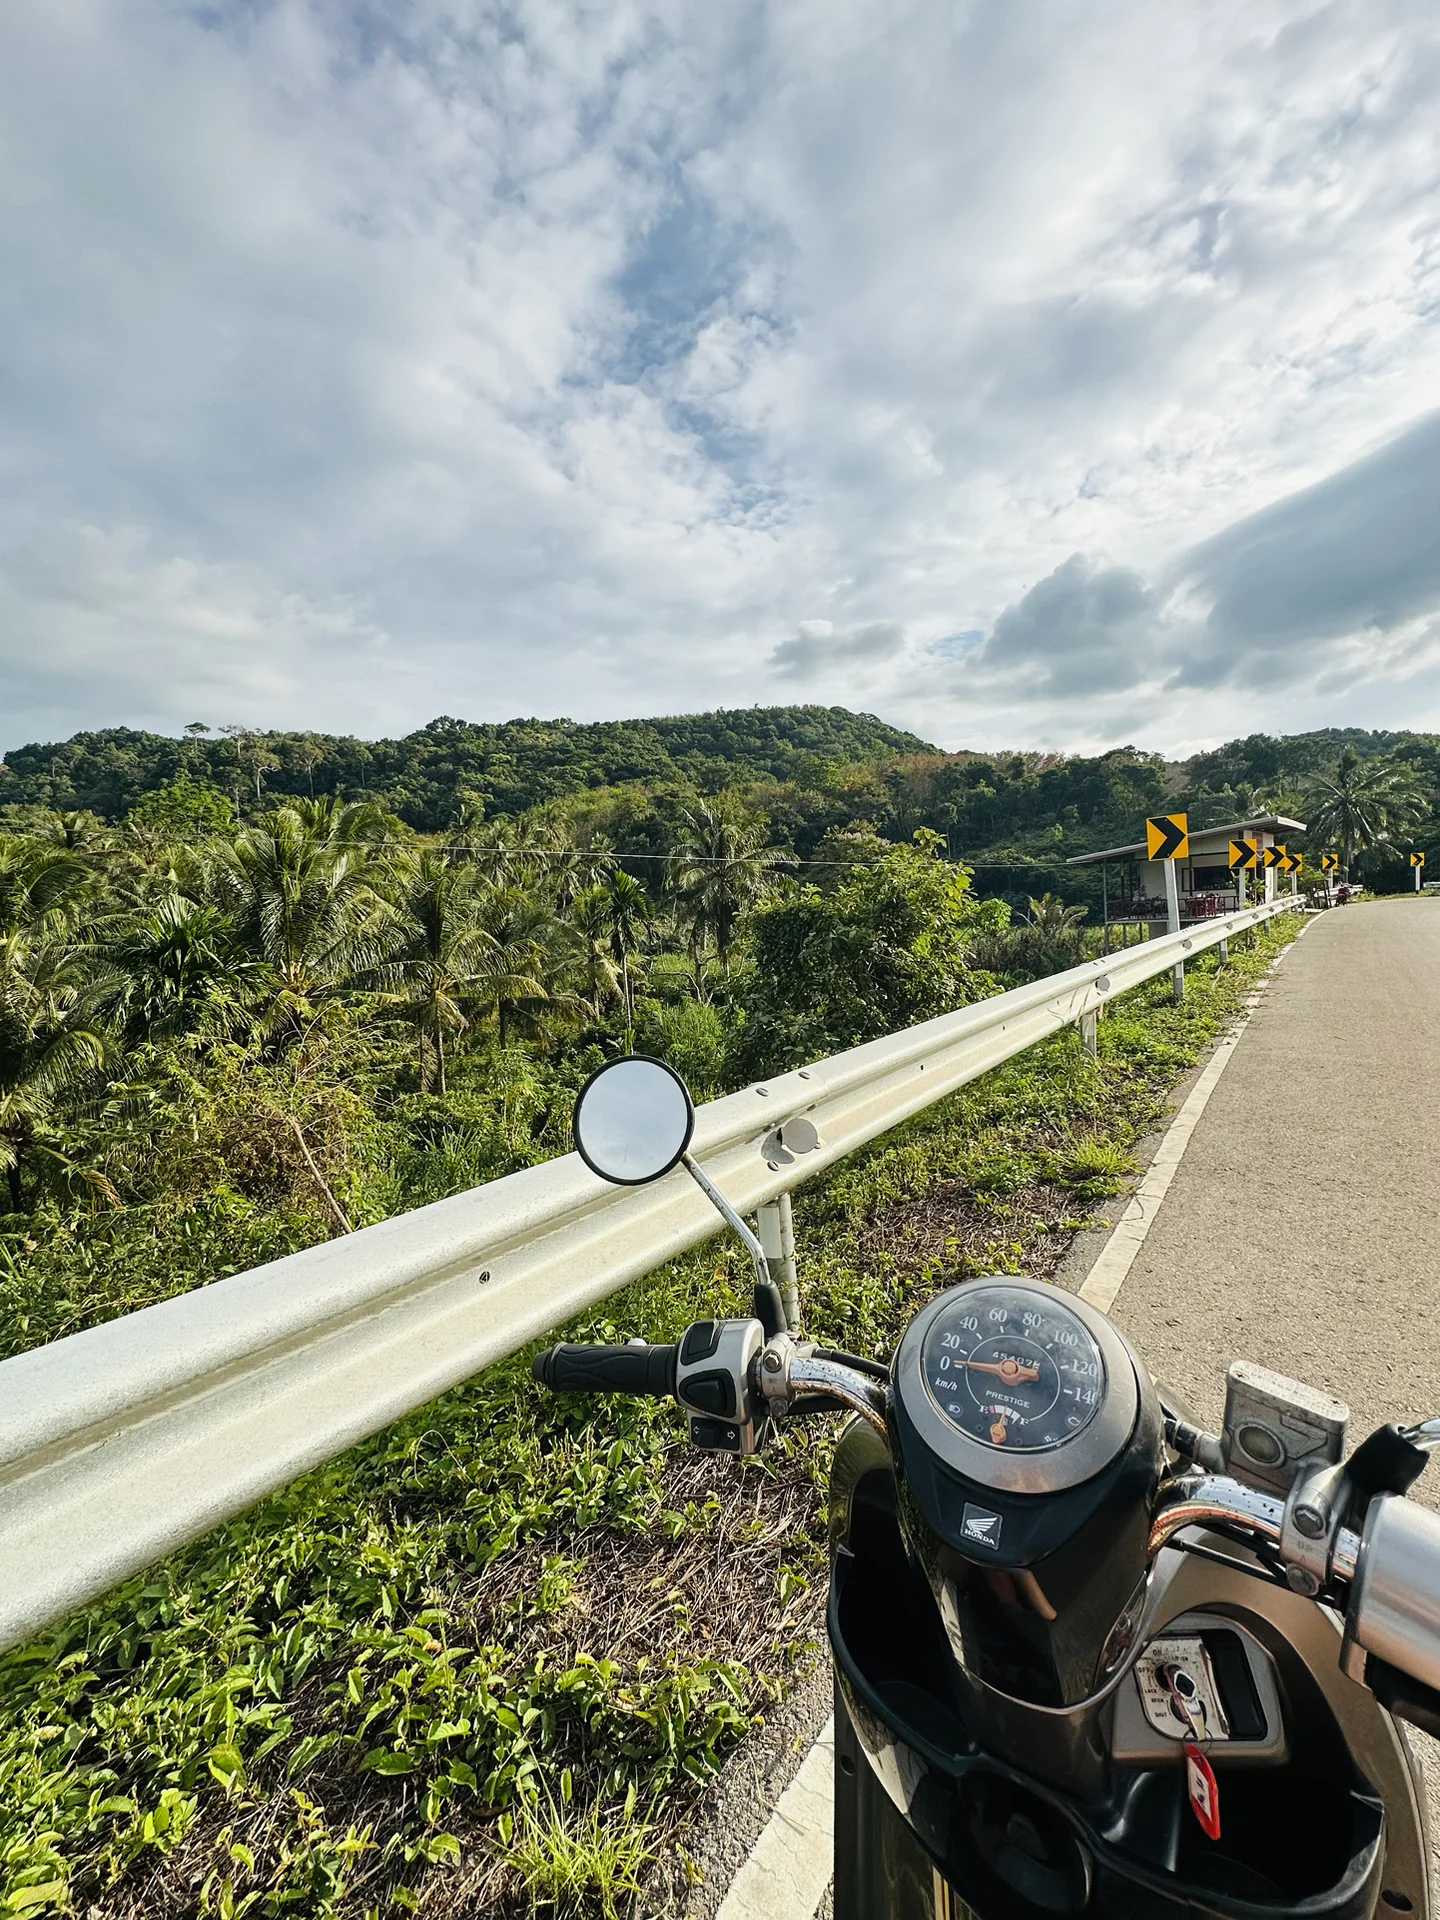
(1224, 953)
(1090, 1032)
(1172, 914)
(777, 1236)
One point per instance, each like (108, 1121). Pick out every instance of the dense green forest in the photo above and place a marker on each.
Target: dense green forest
(805, 772)
(450, 767)
(236, 1019)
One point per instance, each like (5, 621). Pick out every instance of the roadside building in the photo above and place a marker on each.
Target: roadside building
(1133, 888)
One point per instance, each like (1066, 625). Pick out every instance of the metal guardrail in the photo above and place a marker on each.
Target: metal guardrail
(123, 1442)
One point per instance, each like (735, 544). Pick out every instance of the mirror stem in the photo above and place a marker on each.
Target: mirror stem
(765, 1290)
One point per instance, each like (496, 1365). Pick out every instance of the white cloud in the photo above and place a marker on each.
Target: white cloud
(601, 358)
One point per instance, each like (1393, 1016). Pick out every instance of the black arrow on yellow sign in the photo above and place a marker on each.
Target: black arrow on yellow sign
(1167, 837)
(1271, 856)
(1244, 854)
(1417, 859)
(1329, 862)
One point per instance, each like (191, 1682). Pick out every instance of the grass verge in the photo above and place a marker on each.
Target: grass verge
(488, 1662)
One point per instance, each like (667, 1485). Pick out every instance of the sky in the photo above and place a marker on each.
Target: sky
(1055, 375)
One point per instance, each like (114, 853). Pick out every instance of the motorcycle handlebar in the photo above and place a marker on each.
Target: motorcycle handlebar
(1384, 1579)
(636, 1368)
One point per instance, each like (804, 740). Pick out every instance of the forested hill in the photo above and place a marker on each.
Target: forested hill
(505, 767)
(801, 773)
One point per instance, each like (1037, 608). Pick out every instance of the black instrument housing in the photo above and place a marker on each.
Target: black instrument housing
(1030, 1586)
(1012, 1812)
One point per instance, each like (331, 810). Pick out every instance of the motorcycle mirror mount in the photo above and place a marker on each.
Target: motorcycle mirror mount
(633, 1124)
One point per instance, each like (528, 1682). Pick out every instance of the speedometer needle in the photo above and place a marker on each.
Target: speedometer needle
(1008, 1370)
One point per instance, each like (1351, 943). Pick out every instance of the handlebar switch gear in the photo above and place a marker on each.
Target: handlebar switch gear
(713, 1384)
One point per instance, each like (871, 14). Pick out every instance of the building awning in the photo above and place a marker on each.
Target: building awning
(1271, 823)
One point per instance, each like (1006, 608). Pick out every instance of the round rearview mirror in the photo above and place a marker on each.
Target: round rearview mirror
(633, 1120)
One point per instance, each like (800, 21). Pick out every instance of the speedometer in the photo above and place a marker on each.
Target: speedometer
(1013, 1368)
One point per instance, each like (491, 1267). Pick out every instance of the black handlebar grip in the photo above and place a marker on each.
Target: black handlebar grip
(637, 1369)
(1385, 1463)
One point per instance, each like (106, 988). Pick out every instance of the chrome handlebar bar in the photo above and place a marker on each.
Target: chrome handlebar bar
(805, 1376)
(1228, 1506)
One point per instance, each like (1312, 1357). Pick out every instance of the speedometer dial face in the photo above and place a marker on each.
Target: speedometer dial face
(1013, 1368)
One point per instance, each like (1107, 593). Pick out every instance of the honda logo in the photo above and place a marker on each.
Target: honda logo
(982, 1529)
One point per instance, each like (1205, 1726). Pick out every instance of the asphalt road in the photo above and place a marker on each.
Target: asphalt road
(1302, 1228)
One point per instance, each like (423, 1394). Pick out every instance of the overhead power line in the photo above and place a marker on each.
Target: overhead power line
(777, 856)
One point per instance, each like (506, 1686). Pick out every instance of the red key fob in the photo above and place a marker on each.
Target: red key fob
(1204, 1790)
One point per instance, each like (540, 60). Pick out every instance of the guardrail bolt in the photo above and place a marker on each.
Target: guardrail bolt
(772, 1363)
(1309, 1521)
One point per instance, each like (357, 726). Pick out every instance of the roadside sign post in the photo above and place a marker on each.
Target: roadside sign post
(1167, 839)
(1328, 864)
(1417, 861)
(1244, 854)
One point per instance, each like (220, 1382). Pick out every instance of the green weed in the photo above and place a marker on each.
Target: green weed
(575, 1861)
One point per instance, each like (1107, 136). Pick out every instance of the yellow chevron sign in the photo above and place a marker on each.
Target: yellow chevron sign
(1329, 863)
(1167, 837)
(1244, 854)
(1417, 859)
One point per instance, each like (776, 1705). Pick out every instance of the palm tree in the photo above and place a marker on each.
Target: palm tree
(80, 829)
(440, 960)
(51, 1048)
(1048, 938)
(170, 965)
(51, 1043)
(1363, 804)
(302, 890)
(42, 889)
(721, 872)
(573, 869)
(629, 912)
(528, 952)
(492, 846)
(589, 921)
(1252, 803)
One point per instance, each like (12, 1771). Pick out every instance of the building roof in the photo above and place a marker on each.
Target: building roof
(1265, 823)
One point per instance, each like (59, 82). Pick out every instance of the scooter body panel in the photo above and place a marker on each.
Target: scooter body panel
(931, 1823)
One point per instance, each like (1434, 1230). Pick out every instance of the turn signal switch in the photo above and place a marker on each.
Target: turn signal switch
(712, 1383)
